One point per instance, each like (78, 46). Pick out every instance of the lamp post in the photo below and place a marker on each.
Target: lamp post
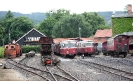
(79, 33)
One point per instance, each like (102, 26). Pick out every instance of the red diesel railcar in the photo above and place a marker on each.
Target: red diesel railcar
(85, 47)
(66, 48)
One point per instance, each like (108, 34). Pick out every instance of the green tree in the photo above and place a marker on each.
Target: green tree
(46, 26)
(1, 31)
(9, 15)
(19, 27)
(57, 14)
(95, 20)
(53, 16)
(68, 26)
(6, 23)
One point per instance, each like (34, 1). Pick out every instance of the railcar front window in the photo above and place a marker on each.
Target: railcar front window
(71, 45)
(88, 44)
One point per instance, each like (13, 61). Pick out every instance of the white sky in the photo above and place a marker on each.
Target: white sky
(75, 6)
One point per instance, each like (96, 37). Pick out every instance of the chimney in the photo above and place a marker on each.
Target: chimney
(129, 8)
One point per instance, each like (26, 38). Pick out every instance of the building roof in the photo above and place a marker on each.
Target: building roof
(103, 33)
(122, 15)
(85, 39)
(57, 40)
(29, 32)
(128, 33)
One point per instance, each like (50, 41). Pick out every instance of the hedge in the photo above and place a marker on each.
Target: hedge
(26, 49)
(1, 52)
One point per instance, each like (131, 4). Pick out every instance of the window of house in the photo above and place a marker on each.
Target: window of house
(107, 38)
(99, 38)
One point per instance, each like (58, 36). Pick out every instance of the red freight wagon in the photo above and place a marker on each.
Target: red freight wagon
(118, 45)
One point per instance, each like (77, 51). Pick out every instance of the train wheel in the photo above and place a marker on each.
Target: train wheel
(125, 54)
(89, 55)
(117, 55)
(64, 55)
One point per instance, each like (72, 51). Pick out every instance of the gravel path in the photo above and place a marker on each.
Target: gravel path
(82, 71)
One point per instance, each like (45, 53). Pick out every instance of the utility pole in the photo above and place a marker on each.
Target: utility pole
(79, 34)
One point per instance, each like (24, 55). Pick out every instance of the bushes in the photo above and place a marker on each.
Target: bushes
(26, 49)
(1, 52)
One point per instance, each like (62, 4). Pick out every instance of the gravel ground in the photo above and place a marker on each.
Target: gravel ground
(11, 74)
(79, 70)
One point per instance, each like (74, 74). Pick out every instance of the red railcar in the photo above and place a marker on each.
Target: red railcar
(12, 50)
(66, 48)
(118, 45)
(85, 47)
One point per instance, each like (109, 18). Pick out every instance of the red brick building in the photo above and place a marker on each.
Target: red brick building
(102, 35)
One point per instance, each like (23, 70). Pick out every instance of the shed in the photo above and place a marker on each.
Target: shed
(30, 38)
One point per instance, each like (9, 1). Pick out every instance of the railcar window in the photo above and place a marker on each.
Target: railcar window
(71, 45)
(88, 44)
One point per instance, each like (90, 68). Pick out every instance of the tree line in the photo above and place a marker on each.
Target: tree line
(58, 23)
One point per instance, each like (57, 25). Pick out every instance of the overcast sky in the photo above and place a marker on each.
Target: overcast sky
(75, 6)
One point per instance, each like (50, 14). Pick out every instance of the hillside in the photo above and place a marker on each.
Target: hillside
(35, 17)
(38, 17)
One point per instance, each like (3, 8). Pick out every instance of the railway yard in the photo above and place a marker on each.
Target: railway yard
(95, 68)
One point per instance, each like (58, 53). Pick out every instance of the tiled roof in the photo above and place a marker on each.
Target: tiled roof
(103, 33)
(101, 41)
(90, 38)
(57, 40)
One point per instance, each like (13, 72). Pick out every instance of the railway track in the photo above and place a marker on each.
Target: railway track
(14, 63)
(114, 71)
(67, 75)
(47, 71)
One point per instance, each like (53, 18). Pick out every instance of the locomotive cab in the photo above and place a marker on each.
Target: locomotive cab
(12, 50)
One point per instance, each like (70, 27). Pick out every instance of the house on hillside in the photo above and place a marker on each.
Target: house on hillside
(30, 38)
(102, 36)
(122, 22)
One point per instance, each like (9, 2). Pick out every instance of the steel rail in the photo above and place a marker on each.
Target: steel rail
(30, 71)
(127, 73)
(68, 73)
